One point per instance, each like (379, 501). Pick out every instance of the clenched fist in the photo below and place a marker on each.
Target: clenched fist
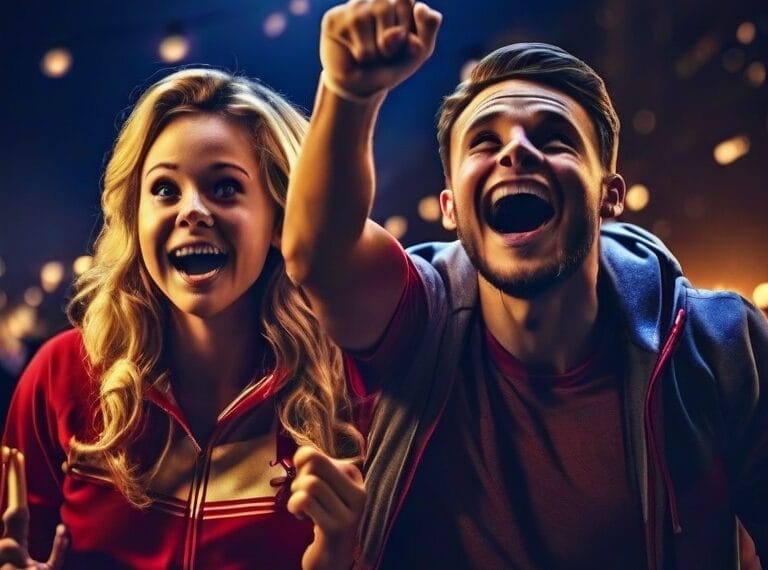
(369, 46)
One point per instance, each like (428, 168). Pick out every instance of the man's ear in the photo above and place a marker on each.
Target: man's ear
(446, 205)
(614, 192)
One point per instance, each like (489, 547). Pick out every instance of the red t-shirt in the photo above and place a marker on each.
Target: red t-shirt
(522, 471)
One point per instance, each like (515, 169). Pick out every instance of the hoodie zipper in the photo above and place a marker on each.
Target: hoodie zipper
(655, 458)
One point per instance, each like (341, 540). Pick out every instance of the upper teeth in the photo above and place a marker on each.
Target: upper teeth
(196, 250)
(513, 189)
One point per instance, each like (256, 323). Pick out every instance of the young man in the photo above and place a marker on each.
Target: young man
(550, 391)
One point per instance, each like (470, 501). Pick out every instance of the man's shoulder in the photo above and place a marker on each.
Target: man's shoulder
(446, 270)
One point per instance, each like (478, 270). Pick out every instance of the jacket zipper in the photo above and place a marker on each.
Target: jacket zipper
(654, 457)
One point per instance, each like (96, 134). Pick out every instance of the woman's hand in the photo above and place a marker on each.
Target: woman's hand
(13, 545)
(332, 494)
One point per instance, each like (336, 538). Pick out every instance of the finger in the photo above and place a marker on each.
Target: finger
(302, 503)
(309, 460)
(362, 34)
(427, 23)
(59, 548)
(323, 494)
(404, 14)
(389, 36)
(16, 516)
(12, 553)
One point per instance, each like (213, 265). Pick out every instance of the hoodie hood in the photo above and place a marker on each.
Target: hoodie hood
(646, 280)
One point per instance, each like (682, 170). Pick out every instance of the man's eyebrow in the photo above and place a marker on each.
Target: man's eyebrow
(540, 116)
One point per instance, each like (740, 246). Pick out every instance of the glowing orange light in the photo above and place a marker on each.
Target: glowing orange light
(731, 150)
(429, 209)
(56, 62)
(397, 226)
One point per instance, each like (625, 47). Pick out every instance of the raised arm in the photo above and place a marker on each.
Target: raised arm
(352, 270)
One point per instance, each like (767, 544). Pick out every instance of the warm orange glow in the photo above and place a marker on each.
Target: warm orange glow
(33, 296)
(756, 73)
(174, 48)
(429, 209)
(51, 275)
(760, 296)
(637, 197)
(731, 150)
(82, 264)
(746, 32)
(397, 226)
(56, 62)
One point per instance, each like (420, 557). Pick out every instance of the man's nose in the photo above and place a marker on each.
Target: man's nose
(519, 152)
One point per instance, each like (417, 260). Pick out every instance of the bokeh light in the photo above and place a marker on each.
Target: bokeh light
(173, 48)
(56, 62)
(82, 264)
(33, 296)
(637, 197)
(275, 24)
(760, 296)
(429, 209)
(731, 150)
(51, 276)
(397, 226)
(746, 32)
(299, 7)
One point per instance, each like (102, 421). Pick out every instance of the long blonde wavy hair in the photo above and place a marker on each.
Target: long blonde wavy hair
(122, 314)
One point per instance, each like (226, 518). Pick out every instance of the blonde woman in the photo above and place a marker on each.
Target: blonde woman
(162, 431)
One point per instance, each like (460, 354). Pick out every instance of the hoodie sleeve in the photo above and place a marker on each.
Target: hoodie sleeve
(749, 433)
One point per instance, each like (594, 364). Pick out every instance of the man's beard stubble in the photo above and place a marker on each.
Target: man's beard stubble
(535, 283)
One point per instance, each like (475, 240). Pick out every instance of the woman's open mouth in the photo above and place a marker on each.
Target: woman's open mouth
(197, 262)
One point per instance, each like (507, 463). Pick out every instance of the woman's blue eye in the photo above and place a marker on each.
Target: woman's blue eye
(226, 189)
(163, 190)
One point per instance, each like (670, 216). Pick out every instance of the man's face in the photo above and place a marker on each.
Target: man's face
(526, 187)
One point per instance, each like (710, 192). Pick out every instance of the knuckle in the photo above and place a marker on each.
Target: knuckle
(16, 516)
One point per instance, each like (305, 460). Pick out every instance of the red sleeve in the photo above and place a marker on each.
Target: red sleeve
(368, 369)
(33, 426)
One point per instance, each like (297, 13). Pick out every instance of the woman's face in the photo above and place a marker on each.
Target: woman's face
(205, 221)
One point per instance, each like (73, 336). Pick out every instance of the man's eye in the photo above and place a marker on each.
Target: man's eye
(484, 139)
(164, 190)
(225, 189)
(557, 139)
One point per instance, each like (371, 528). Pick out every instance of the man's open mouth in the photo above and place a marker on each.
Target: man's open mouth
(517, 212)
(197, 259)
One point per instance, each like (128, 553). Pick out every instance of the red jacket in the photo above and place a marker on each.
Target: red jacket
(218, 504)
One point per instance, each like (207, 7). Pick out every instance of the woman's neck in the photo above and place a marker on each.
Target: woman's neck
(211, 361)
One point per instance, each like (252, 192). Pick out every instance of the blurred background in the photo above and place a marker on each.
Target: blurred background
(688, 78)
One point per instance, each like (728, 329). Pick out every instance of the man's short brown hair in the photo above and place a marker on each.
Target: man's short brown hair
(545, 64)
